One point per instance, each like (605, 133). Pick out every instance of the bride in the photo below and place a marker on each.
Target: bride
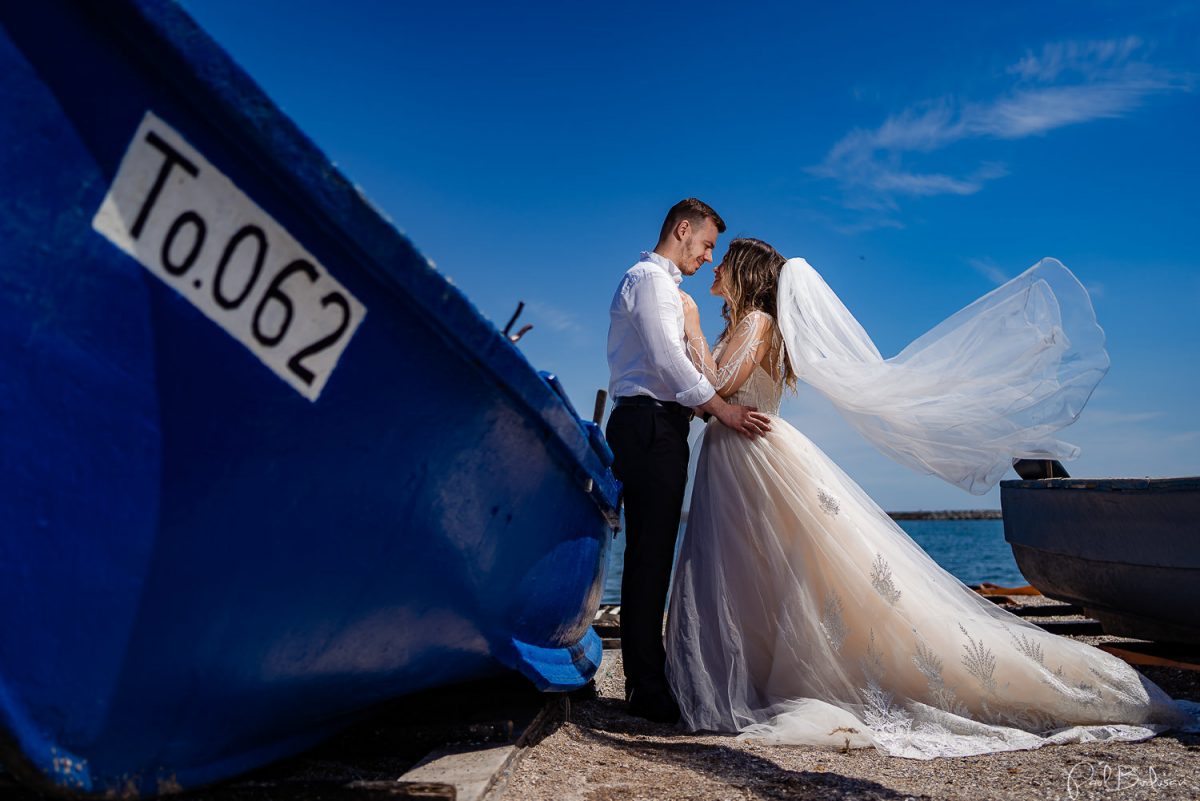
(800, 613)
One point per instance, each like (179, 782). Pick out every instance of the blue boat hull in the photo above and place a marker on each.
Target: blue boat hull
(202, 568)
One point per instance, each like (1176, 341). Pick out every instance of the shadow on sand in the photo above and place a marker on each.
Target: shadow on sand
(605, 722)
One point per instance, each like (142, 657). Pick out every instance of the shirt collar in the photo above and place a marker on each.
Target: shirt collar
(665, 263)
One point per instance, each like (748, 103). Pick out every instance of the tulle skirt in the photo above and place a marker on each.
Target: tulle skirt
(801, 613)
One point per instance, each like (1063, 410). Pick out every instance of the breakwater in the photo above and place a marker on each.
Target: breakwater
(949, 514)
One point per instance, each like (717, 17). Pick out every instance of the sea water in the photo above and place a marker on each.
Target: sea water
(972, 550)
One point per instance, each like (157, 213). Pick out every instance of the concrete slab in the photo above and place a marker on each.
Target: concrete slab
(471, 769)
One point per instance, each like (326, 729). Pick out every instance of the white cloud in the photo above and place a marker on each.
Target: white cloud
(908, 183)
(989, 270)
(1036, 111)
(549, 316)
(867, 224)
(1067, 83)
(1113, 417)
(1083, 57)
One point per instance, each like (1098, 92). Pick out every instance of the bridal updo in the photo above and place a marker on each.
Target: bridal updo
(751, 280)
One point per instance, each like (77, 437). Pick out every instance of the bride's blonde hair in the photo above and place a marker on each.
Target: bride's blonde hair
(751, 281)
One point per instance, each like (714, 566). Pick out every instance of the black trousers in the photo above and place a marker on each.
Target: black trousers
(651, 449)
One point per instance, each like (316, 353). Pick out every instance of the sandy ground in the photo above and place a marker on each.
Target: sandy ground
(596, 752)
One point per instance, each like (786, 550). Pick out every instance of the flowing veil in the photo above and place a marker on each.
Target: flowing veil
(990, 384)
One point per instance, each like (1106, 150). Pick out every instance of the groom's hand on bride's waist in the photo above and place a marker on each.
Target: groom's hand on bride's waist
(746, 420)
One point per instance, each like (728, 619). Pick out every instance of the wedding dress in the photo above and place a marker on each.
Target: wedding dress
(801, 613)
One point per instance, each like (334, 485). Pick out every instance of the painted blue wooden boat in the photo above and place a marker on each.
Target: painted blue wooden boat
(261, 466)
(1125, 549)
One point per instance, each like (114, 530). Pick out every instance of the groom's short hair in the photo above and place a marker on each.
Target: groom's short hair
(693, 210)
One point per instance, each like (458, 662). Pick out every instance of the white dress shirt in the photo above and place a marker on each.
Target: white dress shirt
(646, 353)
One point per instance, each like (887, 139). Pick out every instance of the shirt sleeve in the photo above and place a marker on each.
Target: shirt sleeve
(655, 309)
(739, 354)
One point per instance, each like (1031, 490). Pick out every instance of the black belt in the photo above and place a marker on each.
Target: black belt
(647, 401)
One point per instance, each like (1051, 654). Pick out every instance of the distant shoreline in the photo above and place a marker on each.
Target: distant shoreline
(949, 514)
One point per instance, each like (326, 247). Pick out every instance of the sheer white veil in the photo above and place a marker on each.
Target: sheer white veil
(990, 384)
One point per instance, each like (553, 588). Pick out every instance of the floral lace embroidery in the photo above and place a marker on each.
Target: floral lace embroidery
(872, 662)
(930, 665)
(1080, 692)
(928, 727)
(832, 623)
(1029, 648)
(881, 580)
(1086, 694)
(879, 712)
(1026, 719)
(1129, 687)
(828, 503)
(979, 661)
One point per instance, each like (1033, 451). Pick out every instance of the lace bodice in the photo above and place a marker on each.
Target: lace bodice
(736, 364)
(759, 390)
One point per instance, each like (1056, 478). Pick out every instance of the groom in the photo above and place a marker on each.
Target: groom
(656, 388)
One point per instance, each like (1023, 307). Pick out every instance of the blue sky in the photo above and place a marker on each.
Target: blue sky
(916, 154)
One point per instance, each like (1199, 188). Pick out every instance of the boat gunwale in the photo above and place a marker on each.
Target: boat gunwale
(1166, 484)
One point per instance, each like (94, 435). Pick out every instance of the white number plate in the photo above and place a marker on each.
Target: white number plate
(189, 225)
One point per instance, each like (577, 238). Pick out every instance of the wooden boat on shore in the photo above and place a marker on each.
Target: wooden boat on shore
(261, 466)
(1126, 550)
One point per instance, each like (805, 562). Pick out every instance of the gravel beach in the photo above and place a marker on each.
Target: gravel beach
(596, 752)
